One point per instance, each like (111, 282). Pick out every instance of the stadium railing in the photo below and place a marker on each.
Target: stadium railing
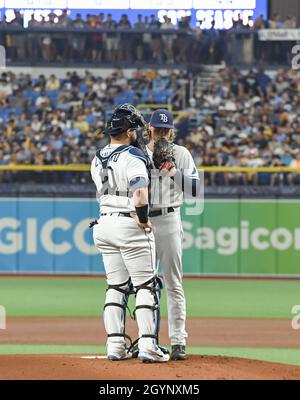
(212, 175)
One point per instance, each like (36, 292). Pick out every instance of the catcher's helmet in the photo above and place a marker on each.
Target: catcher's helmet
(123, 118)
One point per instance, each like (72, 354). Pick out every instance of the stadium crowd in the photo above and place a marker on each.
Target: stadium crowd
(240, 119)
(100, 39)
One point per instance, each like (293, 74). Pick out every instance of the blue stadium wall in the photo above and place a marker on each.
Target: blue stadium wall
(50, 233)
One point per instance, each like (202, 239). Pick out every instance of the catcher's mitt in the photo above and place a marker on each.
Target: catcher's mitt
(163, 155)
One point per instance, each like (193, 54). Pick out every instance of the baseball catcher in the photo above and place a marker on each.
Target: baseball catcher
(124, 237)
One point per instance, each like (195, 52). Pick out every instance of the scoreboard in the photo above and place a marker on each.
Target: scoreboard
(223, 12)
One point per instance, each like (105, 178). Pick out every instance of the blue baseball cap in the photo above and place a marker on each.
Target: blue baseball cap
(162, 118)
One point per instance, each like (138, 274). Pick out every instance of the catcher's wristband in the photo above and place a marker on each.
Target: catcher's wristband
(142, 213)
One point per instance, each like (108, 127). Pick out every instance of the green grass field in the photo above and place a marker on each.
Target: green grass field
(78, 297)
(30, 297)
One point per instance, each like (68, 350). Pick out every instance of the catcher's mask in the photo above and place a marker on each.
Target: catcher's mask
(123, 118)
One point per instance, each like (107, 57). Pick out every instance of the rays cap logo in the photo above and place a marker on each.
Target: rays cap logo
(162, 118)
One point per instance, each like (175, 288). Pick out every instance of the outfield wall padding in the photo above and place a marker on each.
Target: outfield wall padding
(230, 237)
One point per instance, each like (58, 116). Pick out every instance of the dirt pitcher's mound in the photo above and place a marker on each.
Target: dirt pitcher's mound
(196, 367)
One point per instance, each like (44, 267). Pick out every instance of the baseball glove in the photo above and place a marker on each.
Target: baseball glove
(163, 155)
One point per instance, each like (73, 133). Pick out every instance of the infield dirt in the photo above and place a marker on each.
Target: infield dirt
(202, 332)
(196, 367)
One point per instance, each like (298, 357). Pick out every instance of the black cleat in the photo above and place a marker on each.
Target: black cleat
(178, 352)
(135, 351)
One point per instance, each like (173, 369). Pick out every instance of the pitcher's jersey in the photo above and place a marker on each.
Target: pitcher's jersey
(112, 170)
(164, 191)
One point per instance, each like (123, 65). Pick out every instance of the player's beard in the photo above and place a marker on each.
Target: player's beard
(132, 139)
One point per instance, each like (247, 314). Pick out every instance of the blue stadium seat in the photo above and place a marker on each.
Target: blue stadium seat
(5, 113)
(31, 94)
(91, 118)
(160, 99)
(129, 95)
(83, 88)
(120, 100)
(52, 93)
(27, 94)
(32, 108)
(88, 104)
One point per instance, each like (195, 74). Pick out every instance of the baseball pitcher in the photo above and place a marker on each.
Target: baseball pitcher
(176, 174)
(123, 236)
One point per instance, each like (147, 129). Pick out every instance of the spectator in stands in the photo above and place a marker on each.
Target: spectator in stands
(276, 22)
(78, 40)
(18, 38)
(258, 128)
(112, 39)
(168, 40)
(33, 42)
(52, 83)
(126, 41)
(182, 43)
(254, 161)
(235, 160)
(47, 48)
(64, 20)
(3, 159)
(36, 124)
(138, 39)
(147, 40)
(192, 45)
(260, 23)
(42, 103)
(5, 91)
(155, 43)
(290, 22)
(98, 40)
(293, 177)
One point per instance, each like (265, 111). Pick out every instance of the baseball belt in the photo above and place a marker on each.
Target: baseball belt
(119, 214)
(157, 213)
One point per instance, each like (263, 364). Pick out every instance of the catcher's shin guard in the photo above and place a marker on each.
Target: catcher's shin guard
(147, 313)
(115, 316)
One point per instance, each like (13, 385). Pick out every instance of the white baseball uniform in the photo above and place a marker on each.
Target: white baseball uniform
(128, 251)
(168, 233)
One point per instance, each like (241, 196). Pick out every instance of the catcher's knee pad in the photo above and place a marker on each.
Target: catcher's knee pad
(115, 310)
(147, 310)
